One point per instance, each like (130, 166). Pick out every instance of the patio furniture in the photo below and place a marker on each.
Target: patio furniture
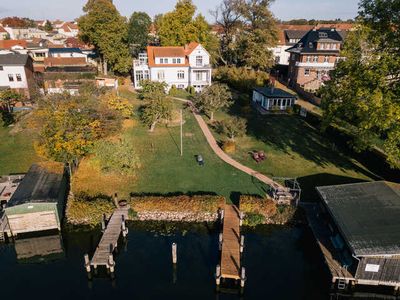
(256, 157)
(200, 160)
(261, 155)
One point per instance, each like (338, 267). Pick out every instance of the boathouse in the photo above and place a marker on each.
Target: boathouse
(363, 236)
(38, 202)
(271, 99)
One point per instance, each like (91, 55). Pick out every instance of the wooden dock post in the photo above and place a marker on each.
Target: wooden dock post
(220, 241)
(222, 215)
(123, 227)
(241, 243)
(87, 263)
(242, 277)
(218, 275)
(241, 215)
(174, 256)
(103, 223)
(111, 263)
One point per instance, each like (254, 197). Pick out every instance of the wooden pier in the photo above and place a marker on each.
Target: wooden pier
(4, 227)
(103, 255)
(231, 246)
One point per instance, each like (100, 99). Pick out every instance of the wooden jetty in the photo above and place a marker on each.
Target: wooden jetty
(231, 246)
(340, 275)
(4, 227)
(103, 255)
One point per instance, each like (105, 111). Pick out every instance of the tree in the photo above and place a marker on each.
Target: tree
(138, 30)
(180, 27)
(48, 26)
(155, 111)
(213, 98)
(258, 34)
(233, 127)
(103, 27)
(119, 104)
(152, 89)
(15, 22)
(8, 98)
(69, 126)
(364, 91)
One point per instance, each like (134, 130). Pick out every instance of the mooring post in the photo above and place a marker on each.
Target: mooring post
(123, 227)
(220, 241)
(222, 215)
(242, 277)
(241, 215)
(218, 275)
(174, 257)
(116, 200)
(103, 223)
(111, 263)
(87, 263)
(241, 243)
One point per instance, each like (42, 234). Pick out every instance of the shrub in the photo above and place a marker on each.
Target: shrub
(242, 79)
(253, 220)
(229, 146)
(290, 111)
(257, 205)
(182, 203)
(190, 89)
(173, 91)
(83, 209)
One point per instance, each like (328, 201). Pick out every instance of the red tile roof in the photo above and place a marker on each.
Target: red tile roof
(2, 29)
(64, 61)
(153, 52)
(8, 44)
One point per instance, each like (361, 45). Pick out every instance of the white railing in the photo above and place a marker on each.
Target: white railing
(315, 65)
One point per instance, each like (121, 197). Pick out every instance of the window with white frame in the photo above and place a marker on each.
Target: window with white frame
(306, 72)
(199, 76)
(174, 60)
(326, 59)
(178, 60)
(199, 61)
(165, 60)
(161, 60)
(10, 77)
(19, 77)
(181, 86)
(181, 74)
(160, 75)
(315, 59)
(334, 46)
(308, 59)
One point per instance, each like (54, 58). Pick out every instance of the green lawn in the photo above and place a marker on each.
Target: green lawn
(165, 171)
(16, 151)
(296, 149)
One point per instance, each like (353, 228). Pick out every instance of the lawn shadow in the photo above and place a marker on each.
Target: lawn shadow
(173, 139)
(309, 183)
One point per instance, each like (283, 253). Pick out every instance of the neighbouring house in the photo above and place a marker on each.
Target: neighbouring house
(67, 53)
(38, 202)
(313, 57)
(271, 99)
(38, 49)
(357, 227)
(68, 29)
(3, 33)
(14, 45)
(16, 72)
(108, 82)
(66, 74)
(25, 33)
(179, 66)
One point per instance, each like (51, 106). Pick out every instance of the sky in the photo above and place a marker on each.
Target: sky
(71, 9)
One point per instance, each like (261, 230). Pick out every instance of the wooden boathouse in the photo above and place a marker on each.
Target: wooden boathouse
(357, 227)
(231, 246)
(38, 202)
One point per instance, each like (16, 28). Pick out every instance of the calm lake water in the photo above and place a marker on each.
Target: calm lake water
(281, 263)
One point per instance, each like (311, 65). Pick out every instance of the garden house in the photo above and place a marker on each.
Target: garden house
(272, 99)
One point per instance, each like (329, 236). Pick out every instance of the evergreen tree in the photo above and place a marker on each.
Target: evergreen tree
(138, 30)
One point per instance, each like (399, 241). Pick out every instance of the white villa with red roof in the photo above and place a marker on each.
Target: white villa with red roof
(179, 66)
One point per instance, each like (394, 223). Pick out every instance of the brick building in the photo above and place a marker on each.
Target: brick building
(313, 57)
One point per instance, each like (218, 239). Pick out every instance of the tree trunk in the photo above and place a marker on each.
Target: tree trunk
(105, 66)
(152, 127)
(9, 107)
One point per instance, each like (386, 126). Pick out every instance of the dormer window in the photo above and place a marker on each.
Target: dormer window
(322, 35)
(161, 60)
(165, 60)
(199, 61)
(174, 60)
(310, 44)
(178, 60)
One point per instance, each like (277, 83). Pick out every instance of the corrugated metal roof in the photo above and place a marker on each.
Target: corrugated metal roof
(38, 186)
(13, 59)
(367, 215)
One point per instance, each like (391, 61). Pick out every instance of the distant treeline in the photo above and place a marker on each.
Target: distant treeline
(314, 22)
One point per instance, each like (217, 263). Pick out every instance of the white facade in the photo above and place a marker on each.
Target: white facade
(25, 33)
(65, 53)
(273, 103)
(13, 77)
(195, 69)
(281, 57)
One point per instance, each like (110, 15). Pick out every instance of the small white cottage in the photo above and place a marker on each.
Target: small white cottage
(273, 99)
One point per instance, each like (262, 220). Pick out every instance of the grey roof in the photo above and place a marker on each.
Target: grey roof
(13, 59)
(388, 270)
(65, 50)
(274, 92)
(38, 186)
(308, 43)
(295, 34)
(367, 215)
